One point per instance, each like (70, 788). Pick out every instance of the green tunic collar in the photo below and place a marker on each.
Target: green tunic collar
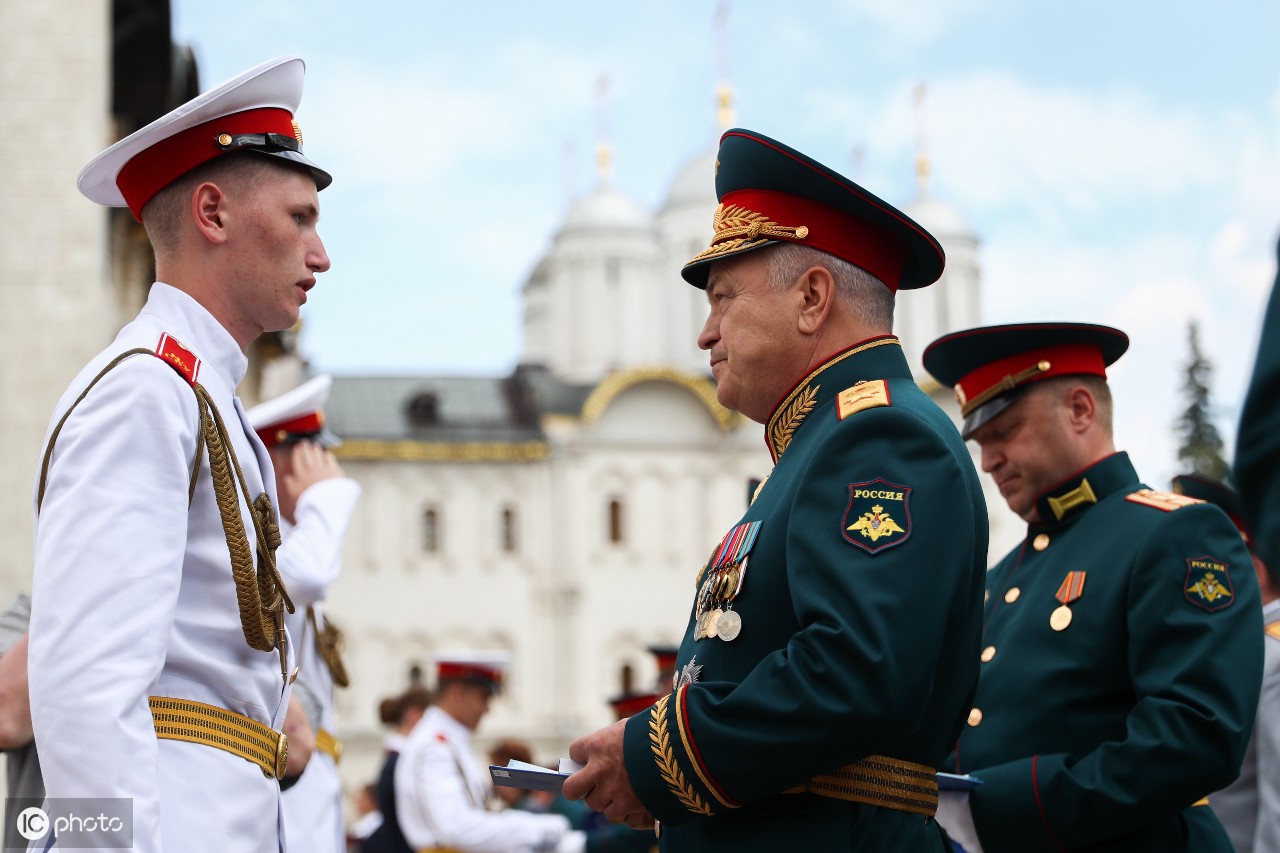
(874, 358)
(1082, 490)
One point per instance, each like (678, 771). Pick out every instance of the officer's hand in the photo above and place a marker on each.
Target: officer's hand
(15, 697)
(302, 738)
(310, 464)
(603, 783)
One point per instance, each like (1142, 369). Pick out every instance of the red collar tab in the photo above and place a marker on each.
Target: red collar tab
(154, 168)
(305, 425)
(180, 358)
(1002, 375)
(801, 220)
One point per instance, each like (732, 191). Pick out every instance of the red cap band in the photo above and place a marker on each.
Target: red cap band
(1063, 360)
(307, 424)
(469, 672)
(855, 240)
(154, 168)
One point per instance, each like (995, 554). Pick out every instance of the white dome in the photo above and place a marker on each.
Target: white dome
(695, 183)
(940, 219)
(606, 209)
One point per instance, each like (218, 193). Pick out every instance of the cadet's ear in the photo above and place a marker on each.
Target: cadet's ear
(816, 290)
(209, 209)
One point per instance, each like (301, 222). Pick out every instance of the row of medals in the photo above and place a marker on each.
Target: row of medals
(714, 615)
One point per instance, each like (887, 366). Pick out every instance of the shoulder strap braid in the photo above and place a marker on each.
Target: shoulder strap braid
(48, 451)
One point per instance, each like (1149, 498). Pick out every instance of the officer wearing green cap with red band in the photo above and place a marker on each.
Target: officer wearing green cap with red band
(831, 647)
(1120, 650)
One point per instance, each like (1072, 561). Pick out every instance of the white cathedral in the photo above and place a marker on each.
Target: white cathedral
(559, 512)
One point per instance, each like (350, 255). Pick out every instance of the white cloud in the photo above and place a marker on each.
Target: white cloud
(914, 24)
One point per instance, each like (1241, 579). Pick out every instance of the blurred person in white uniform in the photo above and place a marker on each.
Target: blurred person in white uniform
(443, 792)
(316, 506)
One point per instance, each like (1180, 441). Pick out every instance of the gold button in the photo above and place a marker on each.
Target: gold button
(1040, 542)
(975, 716)
(988, 653)
(1012, 595)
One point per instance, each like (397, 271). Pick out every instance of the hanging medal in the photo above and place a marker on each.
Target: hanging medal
(729, 625)
(1071, 589)
(722, 580)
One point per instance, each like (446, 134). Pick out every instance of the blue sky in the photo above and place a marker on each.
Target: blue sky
(1117, 159)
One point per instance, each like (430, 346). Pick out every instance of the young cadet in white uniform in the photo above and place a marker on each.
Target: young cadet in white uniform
(147, 593)
(442, 790)
(316, 505)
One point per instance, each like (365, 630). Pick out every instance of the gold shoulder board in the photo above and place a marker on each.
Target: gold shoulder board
(1273, 629)
(1166, 501)
(864, 395)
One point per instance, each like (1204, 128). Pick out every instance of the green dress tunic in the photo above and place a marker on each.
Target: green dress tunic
(859, 604)
(1120, 672)
(1257, 466)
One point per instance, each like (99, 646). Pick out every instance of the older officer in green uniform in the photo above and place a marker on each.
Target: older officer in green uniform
(832, 643)
(1121, 653)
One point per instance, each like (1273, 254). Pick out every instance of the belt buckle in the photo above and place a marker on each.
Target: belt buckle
(282, 757)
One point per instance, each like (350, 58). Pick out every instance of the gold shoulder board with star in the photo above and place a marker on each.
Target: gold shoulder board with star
(864, 395)
(1166, 501)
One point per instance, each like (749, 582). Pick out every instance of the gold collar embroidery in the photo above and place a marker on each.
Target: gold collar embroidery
(797, 405)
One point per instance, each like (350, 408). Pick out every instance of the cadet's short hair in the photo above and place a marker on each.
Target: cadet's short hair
(870, 299)
(1097, 386)
(162, 216)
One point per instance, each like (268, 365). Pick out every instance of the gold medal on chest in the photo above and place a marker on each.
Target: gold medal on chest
(1071, 589)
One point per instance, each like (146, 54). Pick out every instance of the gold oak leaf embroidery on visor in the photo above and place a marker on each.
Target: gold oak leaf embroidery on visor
(737, 228)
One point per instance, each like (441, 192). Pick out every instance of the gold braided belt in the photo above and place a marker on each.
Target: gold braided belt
(879, 781)
(196, 722)
(329, 745)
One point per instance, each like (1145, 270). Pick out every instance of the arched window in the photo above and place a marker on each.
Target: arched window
(615, 521)
(423, 409)
(509, 539)
(627, 677)
(431, 530)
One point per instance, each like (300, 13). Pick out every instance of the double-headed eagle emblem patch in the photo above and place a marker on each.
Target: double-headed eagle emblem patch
(878, 515)
(1208, 584)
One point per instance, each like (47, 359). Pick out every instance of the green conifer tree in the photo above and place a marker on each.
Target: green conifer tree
(1200, 442)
